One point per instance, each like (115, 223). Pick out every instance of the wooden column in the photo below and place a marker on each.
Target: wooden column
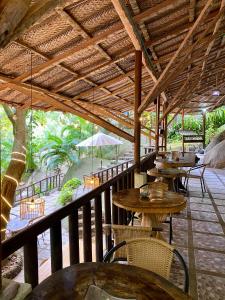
(137, 103)
(157, 124)
(182, 127)
(203, 127)
(165, 125)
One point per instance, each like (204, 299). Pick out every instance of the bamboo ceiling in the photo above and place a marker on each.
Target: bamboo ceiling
(83, 58)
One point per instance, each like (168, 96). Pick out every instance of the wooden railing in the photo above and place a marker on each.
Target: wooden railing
(47, 184)
(109, 173)
(112, 215)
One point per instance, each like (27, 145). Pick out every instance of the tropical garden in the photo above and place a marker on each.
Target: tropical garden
(46, 141)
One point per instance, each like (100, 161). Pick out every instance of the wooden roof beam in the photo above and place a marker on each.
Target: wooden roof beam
(33, 16)
(154, 92)
(209, 48)
(135, 36)
(84, 113)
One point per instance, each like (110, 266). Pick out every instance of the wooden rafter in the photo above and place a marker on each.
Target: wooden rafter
(174, 116)
(135, 37)
(153, 93)
(82, 112)
(216, 29)
(33, 16)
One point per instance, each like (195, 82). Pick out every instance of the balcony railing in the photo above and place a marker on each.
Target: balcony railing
(42, 186)
(112, 215)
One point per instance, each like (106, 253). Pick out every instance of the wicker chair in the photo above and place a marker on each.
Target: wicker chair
(151, 254)
(123, 232)
(197, 176)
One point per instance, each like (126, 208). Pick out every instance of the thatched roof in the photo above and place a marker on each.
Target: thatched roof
(84, 57)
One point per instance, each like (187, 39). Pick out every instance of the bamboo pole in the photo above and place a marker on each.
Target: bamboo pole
(157, 124)
(137, 123)
(203, 127)
(165, 126)
(183, 129)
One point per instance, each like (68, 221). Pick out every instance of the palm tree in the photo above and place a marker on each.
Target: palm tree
(61, 149)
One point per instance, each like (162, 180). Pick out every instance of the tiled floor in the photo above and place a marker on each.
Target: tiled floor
(199, 235)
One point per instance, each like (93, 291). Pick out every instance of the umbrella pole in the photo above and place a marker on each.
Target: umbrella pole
(101, 156)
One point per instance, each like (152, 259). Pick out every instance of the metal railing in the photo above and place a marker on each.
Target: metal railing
(42, 186)
(112, 215)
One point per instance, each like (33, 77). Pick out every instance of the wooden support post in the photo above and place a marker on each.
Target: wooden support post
(137, 103)
(165, 125)
(157, 124)
(203, 127)
(182, 129)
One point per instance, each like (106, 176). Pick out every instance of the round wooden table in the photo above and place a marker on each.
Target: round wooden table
(171, 163)
(154, 208)
(167, 175)
(116, 279)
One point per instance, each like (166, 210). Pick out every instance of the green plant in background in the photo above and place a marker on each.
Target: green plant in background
(65, 196)
(71, 184)
(67, 190)
(37, 190)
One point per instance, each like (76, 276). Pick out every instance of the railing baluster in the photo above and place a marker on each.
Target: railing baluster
(114, 207)
(132, 178)
(98, 228)
(87, 243)
(31, 262)
(108, 219)
(125, 184)
(120, 219)
(56, 246)
(121, 184)
(74, 237)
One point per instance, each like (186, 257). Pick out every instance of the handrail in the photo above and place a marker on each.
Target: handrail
(109, 172)
(112, 215)
(42, 186)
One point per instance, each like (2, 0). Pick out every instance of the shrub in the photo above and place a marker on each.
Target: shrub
(65, 196)
(67, 190)
(71, 184)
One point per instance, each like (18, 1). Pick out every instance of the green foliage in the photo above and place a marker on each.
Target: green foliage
(71, 184)
(65, 196)
(214, 121)
(67, 190)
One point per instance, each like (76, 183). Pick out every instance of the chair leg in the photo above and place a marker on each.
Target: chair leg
(171, 230)
(203, 180)
(202, 187)
(132, 219)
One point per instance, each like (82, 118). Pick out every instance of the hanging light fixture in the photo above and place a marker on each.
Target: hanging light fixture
(31, 208)
(216, 92)
(91, 181)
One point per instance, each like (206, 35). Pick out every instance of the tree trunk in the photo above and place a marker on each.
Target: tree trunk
(16, 166)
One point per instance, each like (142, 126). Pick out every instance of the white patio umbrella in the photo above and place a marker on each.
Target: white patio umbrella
(98, 140)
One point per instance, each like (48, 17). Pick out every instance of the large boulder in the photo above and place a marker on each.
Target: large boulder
(216, 140)
(215, 157)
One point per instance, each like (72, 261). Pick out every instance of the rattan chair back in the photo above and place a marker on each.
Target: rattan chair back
(150, 253)
(126, 233)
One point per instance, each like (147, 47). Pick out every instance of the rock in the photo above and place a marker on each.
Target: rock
(215, 157)
(216, 140)
(10, 291)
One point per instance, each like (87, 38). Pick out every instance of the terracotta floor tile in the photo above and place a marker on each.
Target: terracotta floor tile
(210, 261)
(205, 216)
(205, 227)
(200, 200)
(202, 207)
(207, 241)
(210, 287)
